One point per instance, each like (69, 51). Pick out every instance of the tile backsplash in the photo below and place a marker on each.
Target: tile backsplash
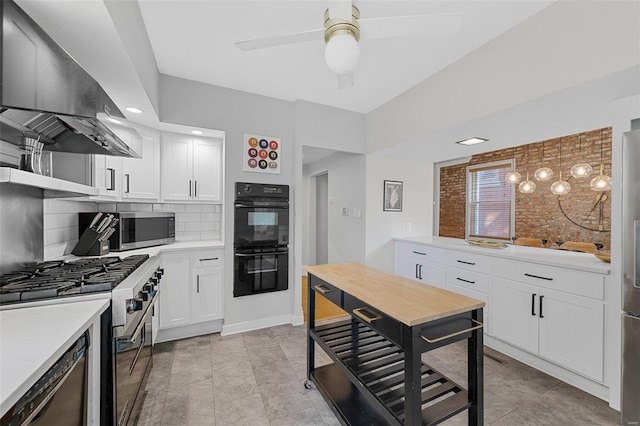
(194, 222)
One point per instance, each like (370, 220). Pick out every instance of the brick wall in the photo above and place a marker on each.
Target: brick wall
(538, 215)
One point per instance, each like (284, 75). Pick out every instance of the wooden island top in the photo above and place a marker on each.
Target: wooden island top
(407, 301)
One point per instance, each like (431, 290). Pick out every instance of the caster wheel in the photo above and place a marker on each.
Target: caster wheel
(307, 384)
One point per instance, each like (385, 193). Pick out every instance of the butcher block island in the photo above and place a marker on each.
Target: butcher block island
(377, 376)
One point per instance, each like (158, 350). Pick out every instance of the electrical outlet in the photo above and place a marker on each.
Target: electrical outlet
(408, 227)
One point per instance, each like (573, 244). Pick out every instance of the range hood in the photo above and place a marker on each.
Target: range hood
(45, 94)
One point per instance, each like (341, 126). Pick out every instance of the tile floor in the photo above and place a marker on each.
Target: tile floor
(256, 378)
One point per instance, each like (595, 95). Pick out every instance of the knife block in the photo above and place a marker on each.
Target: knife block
(88, 245)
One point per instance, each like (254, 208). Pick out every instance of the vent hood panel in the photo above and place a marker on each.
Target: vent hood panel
(45, 93)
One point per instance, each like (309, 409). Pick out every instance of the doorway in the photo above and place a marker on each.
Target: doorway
(322, 218)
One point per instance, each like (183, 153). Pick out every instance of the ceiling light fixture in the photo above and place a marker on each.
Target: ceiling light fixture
(513, 176)
(560, 187)
(472, 141)
(528, 186)
(341, 36)
(134, 110)
(196, 132)
(601, 182)
(543, 173)
(581, 170)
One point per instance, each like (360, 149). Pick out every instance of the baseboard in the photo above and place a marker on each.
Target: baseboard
(183, 332)
(228, 329)
(297, 320)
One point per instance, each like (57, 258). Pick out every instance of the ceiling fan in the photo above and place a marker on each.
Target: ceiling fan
(343, 28)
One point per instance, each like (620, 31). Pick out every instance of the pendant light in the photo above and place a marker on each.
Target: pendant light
(543, 173)
(513, 176)
(581, 170)
(528, 186)
(601, 182)
(560, 187)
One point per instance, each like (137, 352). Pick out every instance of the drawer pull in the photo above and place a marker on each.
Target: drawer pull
(322, 289)
(466, 281)
(466, 263)
(538, 277)
(208, 258)
(420, 253)
(360, 314)
(457, 333)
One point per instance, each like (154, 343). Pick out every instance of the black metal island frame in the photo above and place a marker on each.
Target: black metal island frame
(377, 376)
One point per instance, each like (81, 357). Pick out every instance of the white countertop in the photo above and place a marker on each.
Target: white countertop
(155, 250)
(585, 262)
(34, 338)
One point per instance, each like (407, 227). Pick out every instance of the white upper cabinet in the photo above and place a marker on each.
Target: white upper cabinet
(191, 169)
(141, 176)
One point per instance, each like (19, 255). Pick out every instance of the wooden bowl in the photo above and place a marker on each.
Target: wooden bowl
(605, 257)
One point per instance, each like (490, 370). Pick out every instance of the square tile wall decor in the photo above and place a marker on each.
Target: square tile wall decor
(261, 154)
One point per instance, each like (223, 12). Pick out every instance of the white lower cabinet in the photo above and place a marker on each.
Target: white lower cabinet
(421, 263)
(191, 292)
(564, 328)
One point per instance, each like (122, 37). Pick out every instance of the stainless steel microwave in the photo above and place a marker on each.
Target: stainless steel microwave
(137, 229)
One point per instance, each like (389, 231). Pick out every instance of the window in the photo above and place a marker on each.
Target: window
(490, 201)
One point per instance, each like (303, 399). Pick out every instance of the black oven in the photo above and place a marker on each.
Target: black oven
(261, 238)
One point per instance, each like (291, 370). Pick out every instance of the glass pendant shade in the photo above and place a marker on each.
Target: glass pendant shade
(601, 182)
(543, 174)
(528, 186)
(560, 187)
(581, 170)
(513, 177)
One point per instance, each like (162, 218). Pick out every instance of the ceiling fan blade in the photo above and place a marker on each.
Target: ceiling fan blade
(340, 9)
(262, 43)
(345, 80)
(408, 26)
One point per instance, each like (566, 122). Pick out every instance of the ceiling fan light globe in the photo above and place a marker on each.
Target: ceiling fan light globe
(342, 53)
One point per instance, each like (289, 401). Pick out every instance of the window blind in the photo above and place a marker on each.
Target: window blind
(489, 200)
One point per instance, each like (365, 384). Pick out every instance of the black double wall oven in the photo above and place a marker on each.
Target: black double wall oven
(261, 238)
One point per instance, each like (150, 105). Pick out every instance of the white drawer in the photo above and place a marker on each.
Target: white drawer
(422, 252)
(204, 258)
(468, 279)
(561, 279)
(476, 295)
(470, 261)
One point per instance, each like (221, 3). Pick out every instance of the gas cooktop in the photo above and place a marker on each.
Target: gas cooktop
(67, 278)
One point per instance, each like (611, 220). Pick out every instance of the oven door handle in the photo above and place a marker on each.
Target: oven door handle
(262, 205)
(134, 336)
(260, 254)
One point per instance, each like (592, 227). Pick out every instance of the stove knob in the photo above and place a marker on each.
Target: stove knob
(160, 272)
(135, 305)
(148, 287)
(143, 295)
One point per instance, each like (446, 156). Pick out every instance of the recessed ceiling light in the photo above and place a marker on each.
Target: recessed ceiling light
(472, 141)
(196, 132)
(134, 110)
(113, 120)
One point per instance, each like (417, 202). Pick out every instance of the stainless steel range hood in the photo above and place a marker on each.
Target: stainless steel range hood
(46, 95)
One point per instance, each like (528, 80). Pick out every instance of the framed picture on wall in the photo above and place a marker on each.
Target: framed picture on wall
(392, 196)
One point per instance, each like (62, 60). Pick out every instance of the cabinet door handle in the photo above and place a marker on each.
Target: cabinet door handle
(128, 180)
(540, 307)
(466, 263)
(322, 289)
(112, 179)
(197, 283)
(189, 188)
(466, 281)
(538, 277)
(420, 253)
(533, 305)
(195, 188)
(362, 315)
(420, 270)
(417, 277)
(208, 258)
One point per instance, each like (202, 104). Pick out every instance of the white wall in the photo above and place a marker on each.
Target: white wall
(191, 103)
(346, 236)
(568, 43)
(382, 226)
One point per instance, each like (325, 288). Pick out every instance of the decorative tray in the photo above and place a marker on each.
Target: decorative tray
(483, 243)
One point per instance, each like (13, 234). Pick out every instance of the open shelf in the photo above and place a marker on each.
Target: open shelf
(368, 375)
